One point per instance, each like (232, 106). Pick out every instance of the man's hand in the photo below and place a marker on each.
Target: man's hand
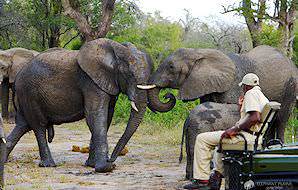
(229, 133)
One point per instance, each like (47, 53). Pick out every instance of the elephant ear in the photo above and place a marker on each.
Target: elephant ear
(20, 57)
(99, 59)
(209, 71)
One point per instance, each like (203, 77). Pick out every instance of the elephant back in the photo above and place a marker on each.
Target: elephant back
(273, 68)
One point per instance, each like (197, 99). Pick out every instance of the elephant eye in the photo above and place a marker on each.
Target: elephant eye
(171, 66)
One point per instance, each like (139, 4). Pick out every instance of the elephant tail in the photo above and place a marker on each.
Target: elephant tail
(185, 126)
(51, 133)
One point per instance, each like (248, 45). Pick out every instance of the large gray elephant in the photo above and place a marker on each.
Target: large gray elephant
(60, 86)
(212, 76)
(11, 62)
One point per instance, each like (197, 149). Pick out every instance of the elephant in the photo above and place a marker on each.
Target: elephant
(61, 86)
(213, 76)
(11, 62)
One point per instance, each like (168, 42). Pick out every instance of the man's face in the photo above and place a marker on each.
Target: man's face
(246, 88)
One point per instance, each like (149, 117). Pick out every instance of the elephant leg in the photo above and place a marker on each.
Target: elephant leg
(111, 110)
(46, 159)
(15, 135)
(91, 160)
(96, 110)
(287, 101)
(190, 138)
(5, 98)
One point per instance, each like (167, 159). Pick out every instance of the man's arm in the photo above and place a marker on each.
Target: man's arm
(245, 124)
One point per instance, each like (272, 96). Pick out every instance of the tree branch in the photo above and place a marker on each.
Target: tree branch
(80, 20)
(106, 18)
(71, 40)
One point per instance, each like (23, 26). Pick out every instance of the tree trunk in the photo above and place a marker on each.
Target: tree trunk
(254, 24)
(54, 37)
(286, 18)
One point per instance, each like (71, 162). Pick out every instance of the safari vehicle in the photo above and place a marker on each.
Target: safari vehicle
(266, 165)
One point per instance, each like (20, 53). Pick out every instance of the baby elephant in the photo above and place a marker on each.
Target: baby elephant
(206, 117)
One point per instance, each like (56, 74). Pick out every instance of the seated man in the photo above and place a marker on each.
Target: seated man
(251, 105)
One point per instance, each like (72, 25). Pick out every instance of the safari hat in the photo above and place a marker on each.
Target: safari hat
(250, 79)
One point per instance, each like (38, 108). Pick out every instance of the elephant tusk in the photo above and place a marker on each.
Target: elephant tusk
(3, 140)
(146, 87)
(133, 105)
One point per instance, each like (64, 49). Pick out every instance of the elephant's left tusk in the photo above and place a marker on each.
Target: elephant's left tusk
(133, 105)
(3, 140)
(146, 87)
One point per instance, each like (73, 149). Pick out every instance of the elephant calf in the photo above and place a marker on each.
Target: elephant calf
(206, 117)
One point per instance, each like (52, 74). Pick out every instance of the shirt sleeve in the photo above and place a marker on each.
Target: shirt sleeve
(251, 102)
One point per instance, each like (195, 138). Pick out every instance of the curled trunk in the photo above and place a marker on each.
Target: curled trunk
(155, 104)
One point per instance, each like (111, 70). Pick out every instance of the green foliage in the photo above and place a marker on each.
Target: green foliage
(270, 36)
(291, 133)
(156, 35)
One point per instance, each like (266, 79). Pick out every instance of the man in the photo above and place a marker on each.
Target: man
(251, 106)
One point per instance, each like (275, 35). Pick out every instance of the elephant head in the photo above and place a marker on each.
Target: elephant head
(13, 60)
(195, 72)
(119, 68)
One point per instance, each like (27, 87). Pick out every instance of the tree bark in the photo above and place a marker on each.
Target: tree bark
(286, 19)
(254, 23)
(56, 9)
(84, 26)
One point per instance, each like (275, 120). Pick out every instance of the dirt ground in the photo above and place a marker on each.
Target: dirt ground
(148, 165)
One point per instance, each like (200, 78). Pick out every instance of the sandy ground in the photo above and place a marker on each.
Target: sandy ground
(148, 165)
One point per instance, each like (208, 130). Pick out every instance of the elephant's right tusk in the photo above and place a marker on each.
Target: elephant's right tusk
(3, 140)
(133, 105)
(146, 87)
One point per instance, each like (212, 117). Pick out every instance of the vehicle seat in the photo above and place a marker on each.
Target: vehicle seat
(267, 116)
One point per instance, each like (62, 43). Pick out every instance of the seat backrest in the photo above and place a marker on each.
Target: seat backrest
(267, 115)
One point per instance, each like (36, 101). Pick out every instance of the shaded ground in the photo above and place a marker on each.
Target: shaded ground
(150, 164)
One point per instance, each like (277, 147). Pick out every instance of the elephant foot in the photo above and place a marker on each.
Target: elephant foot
(47, 163)
(90, 163)
(104, 167)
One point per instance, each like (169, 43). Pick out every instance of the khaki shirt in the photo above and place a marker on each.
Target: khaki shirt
(254, 100)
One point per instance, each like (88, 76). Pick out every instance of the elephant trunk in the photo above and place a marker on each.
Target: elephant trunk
(155, 104)
(136, 116)
(2, 160)
(2, 154)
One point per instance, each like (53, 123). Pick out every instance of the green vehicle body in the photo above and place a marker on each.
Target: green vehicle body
(275, 168)
(278, 159)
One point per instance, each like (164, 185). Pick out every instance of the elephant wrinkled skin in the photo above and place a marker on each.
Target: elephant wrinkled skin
(60, 86)
(212, 76)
